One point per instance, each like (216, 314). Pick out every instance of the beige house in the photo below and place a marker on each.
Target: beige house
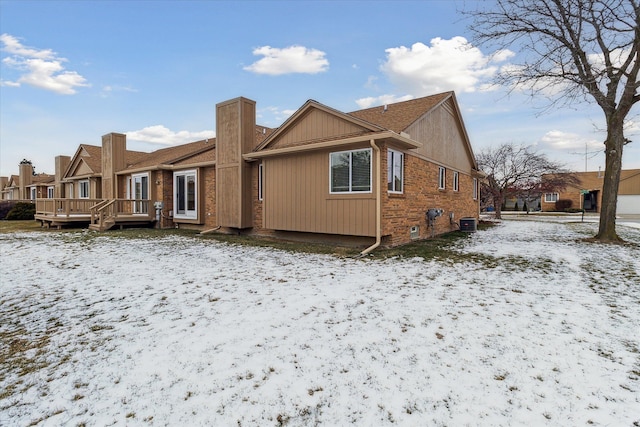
(27, 185)
(587, 194)
(385, 175)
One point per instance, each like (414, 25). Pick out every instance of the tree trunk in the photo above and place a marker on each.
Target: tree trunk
(613, 167)
(498, 200)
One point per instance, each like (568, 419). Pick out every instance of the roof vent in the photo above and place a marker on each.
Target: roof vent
(384, 109)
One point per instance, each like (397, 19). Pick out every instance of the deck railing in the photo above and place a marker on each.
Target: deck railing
(65, 207)
(90, 207)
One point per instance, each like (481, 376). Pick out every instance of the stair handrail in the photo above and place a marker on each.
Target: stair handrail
(99, 209)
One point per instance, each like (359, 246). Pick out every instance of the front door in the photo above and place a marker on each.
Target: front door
(140, 193)
(590, 201)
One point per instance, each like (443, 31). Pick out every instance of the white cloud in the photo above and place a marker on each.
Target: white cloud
(108, 90)
(292, 59)
(40, 68)
(273, 116)
(381, 100)
(444, 65)
(559, 140)
(159, 134)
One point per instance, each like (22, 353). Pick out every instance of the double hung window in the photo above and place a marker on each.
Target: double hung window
(350, 171)
(260, 181)
(83, 189)
(395, 171)
(551, 197)
(475, 189)
(442, 175)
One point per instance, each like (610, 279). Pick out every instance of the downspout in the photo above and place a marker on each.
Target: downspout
(376, 150)
(202, 233)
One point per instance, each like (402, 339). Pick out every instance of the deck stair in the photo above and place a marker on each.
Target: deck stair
(103, 216)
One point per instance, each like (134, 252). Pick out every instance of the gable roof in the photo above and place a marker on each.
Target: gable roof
(399, 116)
(42, 179)
(172, 154)
(360, 127)
(184, 155)
(90, 158)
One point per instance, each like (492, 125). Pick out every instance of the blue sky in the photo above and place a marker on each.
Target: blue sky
(72, 71)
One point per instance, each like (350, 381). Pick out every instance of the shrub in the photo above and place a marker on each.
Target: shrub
(5, 207)
(563, 204)
(22, 211)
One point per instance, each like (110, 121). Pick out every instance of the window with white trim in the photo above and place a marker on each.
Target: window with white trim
(551, 197)
(442, 176)
(456, 181)
(260, 181)
(34, 193)
(83, 189)
(475, 189)
(395, 171)
(50, 192)
(350, 171)
(185, 190)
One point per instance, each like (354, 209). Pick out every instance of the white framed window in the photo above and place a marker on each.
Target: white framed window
(350, 171)
(442, 178)
(456, 181)
(185, 191)
(83, 189)
(51, 192)
(260, 181)
(551, 197)
(34, 193)
(395, 171)
(475, 189)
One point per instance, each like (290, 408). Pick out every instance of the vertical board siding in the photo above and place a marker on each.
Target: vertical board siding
(442, 137)
(314, 125)
(235, 135)
(297, 188)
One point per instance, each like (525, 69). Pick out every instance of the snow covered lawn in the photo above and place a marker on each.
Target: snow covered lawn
(535, 328)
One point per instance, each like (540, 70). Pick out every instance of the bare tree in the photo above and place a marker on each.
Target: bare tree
(516, 171)
(574, 50)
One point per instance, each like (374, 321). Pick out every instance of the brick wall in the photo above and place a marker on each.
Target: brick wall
(402, 211)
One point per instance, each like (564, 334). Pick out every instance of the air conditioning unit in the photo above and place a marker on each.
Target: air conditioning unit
(468, 224)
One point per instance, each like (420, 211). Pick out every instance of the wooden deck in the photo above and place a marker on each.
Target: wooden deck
(96, 214)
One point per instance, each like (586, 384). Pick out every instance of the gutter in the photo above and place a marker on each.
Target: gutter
(376, 150)
(400, 140)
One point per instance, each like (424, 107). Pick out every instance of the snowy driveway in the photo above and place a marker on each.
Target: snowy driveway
(535, 328)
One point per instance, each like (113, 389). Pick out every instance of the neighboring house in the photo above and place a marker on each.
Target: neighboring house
(26, 185)
(383, 175)
(10, 187)
(587, 194)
